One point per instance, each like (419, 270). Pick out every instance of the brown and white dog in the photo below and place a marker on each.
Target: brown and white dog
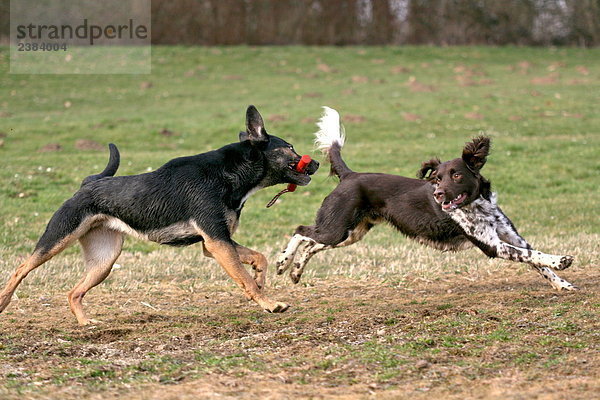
(451, 207)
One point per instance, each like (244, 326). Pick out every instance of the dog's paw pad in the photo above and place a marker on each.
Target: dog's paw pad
(296, 273)
(295, 278)
(565, 262)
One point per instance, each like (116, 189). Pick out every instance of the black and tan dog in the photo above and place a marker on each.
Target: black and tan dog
(187, 200)
(452, 209)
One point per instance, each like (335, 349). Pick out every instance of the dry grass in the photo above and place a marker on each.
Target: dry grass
(383, 255)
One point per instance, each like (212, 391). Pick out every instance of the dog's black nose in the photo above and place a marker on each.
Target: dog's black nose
(439, 195)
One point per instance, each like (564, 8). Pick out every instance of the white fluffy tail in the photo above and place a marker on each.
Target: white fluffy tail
(330, 130)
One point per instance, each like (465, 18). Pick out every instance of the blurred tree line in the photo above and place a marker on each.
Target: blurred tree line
(348, 22)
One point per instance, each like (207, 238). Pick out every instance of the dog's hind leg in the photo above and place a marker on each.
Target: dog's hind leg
(338, 213)
(57, 237)
(286, 257)
(32, 262)
(312, 248)
(101, 248)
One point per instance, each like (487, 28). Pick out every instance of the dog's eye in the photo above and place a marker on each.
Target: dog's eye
(456, 176)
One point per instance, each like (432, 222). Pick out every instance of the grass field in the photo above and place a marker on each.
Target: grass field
(386, 317)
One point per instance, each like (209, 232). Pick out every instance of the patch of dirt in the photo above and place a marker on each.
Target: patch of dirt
(354, 118)
(325, 68)
(411, 117)
(505, 335)
(166, 132)
(522, 67)
(549, 79)
(416, 86)
(400, 69)
(88, 144)
(360, 79)
(50, 147)
(277, 118)
(474, 115)
(312, 95)
(583, 70)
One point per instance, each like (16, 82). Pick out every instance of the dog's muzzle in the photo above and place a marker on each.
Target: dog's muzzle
(449, 205)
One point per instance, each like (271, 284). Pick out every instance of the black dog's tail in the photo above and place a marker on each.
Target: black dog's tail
(330, 139)
(111, 168)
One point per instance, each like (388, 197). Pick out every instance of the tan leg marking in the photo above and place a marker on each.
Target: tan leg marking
(101, 248)
(32, 262)
(227, 256)
(250, 257)
(258, 262)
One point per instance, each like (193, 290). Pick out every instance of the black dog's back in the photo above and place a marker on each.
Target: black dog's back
(158, 205)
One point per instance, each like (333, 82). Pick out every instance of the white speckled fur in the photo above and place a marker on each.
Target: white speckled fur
(484, 220)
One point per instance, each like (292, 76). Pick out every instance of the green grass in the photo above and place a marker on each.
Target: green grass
(544, 165)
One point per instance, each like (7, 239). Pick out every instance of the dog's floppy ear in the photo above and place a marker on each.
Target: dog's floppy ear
(427, 166)
(475, 152)
(255, 127)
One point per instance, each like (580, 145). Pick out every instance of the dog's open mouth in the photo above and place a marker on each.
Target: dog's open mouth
(452, 205)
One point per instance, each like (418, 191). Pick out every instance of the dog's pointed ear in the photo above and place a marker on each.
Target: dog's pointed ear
(255, 127)
(428, 166)
(475, 152)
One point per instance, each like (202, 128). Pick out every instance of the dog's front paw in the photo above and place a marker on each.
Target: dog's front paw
(296, 273)
(277, 307)
(565, 262)
(271, 306)
(89, 322)
(561, 284)
(569, 287)
(283, 262)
